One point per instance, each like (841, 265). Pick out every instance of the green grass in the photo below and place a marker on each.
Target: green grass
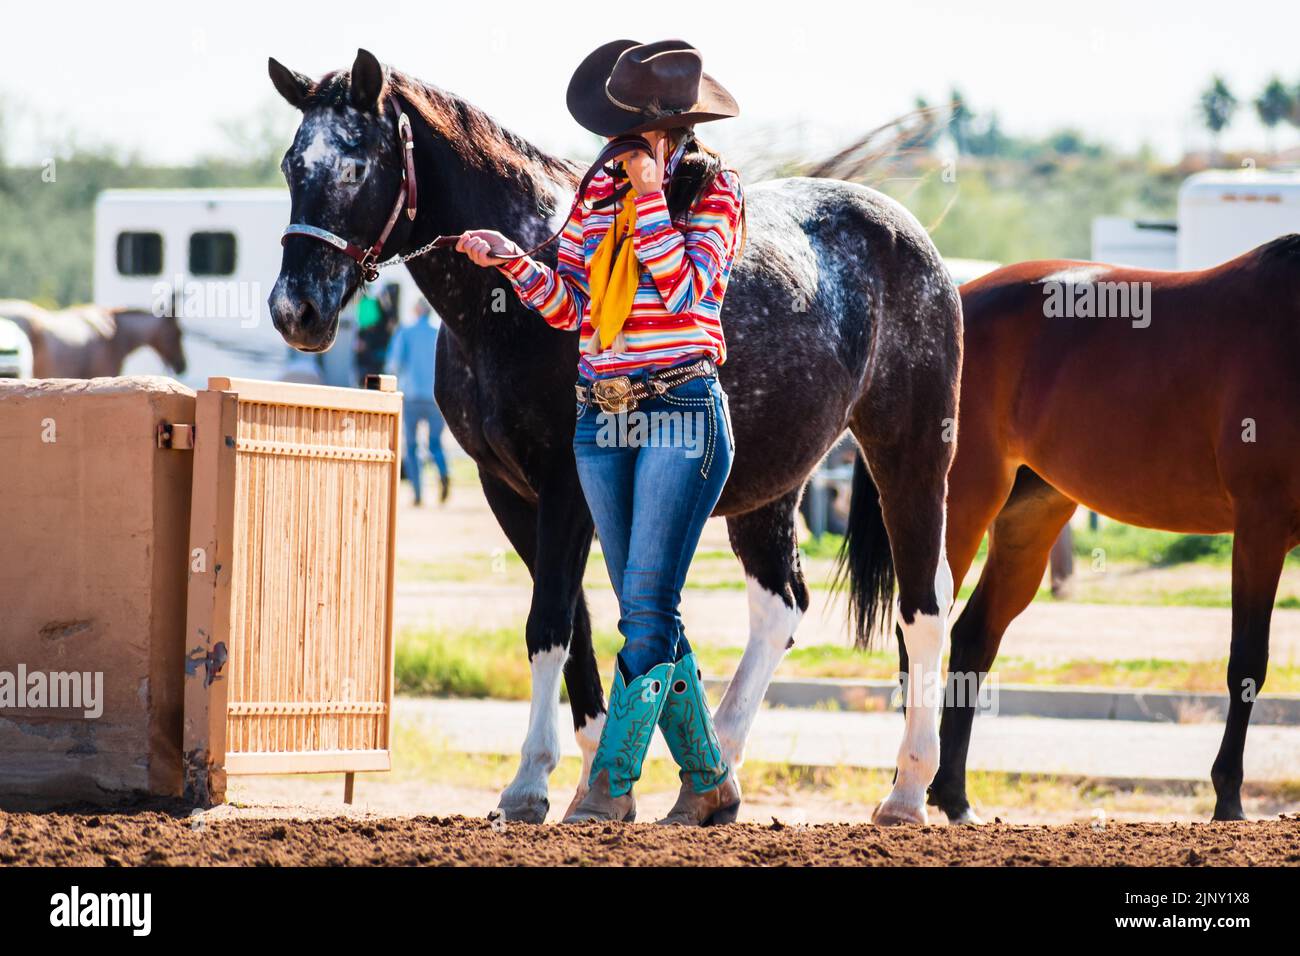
(494, 663)
(1158, 549)
(422, 756)
(1123, 543)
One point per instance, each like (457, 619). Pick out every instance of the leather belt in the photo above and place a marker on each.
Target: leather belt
(622, 393)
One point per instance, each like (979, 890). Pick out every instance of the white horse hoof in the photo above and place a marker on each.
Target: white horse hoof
(524, 809)
(967, 817)
(887, 815)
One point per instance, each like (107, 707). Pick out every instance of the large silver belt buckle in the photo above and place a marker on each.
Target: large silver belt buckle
(614, 395)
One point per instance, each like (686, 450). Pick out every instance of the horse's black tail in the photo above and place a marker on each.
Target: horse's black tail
(866, 560)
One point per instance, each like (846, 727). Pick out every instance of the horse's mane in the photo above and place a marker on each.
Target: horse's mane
(1278, 260)
(477, 139)
(1283, 247)
(103, 321)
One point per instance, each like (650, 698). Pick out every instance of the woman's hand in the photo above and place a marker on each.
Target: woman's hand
(485, 246)
(646, 172)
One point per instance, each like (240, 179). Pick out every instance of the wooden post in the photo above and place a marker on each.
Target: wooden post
(349, 780)
(207, 616)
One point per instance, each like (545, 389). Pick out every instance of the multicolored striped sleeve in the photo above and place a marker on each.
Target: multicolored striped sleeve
(559, 295)
(685, 265)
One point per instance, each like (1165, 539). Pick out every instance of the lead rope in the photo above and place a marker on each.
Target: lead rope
(614, 147)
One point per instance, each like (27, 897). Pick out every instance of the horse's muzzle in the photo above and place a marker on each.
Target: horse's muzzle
(300, 322)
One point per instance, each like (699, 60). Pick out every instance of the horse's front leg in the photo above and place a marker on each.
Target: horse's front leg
(562, 536)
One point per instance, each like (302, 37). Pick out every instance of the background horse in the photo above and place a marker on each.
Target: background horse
(87, 341)
(839, 315)
(1185, 418)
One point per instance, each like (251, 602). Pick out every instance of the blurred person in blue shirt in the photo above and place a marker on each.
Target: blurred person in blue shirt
(411, 359)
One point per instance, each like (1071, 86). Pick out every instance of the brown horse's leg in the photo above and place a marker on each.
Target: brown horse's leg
(977, 491)
(1258, 549)
(1020, 540)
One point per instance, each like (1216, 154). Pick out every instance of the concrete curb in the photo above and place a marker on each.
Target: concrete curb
(1023, 700)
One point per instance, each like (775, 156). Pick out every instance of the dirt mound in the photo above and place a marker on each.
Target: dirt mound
(151, 837)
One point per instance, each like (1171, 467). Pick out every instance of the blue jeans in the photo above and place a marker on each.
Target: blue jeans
(651, 478)
(414, 411)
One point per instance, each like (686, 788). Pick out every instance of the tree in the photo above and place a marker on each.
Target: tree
(1274, 105)
(988, 139)
(926, 130)
(959, 120)
(1217, 107)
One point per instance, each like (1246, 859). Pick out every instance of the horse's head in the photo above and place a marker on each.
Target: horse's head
(166, 341)
(130, 329)
(344, 172)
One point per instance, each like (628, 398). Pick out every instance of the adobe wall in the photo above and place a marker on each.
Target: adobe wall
(94, 526)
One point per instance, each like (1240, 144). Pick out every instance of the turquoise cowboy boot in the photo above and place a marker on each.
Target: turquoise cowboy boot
(634, 710)
(709, 795)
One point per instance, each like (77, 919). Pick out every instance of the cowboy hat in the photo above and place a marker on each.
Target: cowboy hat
(627, 87)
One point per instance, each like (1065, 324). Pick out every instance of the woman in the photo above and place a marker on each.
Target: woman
(642, 269)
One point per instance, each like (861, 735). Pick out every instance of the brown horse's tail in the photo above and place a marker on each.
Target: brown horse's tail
(865, 560)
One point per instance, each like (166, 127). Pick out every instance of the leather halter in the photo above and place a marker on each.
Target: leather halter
(368, 259)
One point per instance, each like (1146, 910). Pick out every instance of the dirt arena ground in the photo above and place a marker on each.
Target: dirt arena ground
(160, 838)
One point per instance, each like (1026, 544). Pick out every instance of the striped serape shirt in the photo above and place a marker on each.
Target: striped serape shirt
(684, 274)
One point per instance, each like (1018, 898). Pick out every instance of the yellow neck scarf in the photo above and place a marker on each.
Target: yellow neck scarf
(614, 275)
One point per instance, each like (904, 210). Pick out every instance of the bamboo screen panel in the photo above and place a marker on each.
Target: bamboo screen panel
(309, 670)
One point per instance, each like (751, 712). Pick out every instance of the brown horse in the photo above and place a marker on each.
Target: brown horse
(1169, 400)
(88, 341)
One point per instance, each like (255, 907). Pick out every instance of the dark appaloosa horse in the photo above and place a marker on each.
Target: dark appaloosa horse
(839, 315)
(1164, 399)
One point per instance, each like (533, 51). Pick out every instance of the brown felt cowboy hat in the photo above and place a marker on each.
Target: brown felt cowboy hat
(628, 87)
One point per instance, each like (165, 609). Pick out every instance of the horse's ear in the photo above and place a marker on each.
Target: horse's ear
(367, 81)
(293, 86)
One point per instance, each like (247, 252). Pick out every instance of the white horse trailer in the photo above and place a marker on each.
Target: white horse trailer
(1221, 214)
(1144, 244)
(212, 256)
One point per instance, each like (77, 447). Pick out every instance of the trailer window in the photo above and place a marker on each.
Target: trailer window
(212, 253)
(139, 253)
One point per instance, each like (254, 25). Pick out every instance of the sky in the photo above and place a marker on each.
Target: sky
(158, 79)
